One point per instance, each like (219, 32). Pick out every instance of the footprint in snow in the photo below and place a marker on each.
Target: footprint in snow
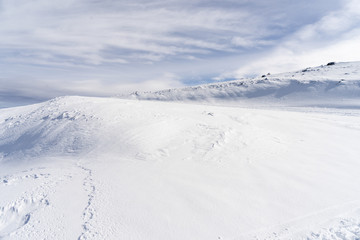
(17, 214)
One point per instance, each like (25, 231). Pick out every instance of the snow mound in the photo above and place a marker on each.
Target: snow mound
(337, 84)
(56, 127)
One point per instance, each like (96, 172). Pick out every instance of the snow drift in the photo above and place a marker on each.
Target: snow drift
(52, 127)
(337, 84)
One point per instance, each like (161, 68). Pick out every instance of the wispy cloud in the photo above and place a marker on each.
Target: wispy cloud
(96, 33)
(334, 37)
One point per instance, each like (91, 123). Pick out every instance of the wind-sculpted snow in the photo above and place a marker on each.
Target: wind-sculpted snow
(109, 168)
(49, 128)
(333, 85)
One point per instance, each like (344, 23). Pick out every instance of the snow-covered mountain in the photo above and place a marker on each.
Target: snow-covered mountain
(110, 168)
(337, 83)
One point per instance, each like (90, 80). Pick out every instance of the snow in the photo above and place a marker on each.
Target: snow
(329, 86)
(111, 168)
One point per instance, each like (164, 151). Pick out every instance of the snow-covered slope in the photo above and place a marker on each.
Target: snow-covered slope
(330, 85)
(97, 168)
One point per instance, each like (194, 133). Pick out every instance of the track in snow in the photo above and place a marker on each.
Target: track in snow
(89, 212)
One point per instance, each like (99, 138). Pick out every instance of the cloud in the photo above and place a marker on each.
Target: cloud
(80, 30)
(101, 32)
(41, 89)
(249, 43)
(334, 37)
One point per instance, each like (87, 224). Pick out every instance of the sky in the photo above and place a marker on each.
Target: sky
(108, 47)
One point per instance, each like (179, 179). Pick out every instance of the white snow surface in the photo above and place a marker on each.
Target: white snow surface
(110, 168)
(334, 85)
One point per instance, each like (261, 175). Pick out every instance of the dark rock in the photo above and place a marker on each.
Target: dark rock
(330, 64)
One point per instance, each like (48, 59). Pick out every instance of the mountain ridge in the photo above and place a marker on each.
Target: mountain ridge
(330, 84)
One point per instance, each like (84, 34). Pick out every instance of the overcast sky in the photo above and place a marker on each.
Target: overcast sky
(104, 47)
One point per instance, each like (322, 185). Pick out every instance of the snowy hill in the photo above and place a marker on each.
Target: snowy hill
(337, 84)
(110, 168)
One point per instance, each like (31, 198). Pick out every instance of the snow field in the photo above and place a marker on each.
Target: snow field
(96, 168)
